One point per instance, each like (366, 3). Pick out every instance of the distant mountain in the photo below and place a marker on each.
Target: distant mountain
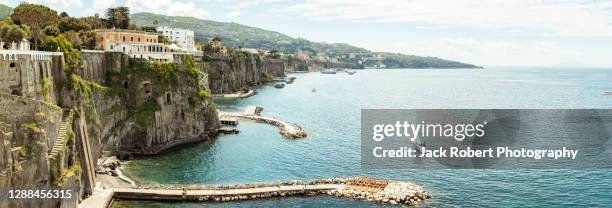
(237, 35)
(5, 11)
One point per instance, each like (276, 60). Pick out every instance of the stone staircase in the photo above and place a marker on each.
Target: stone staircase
(58, 144)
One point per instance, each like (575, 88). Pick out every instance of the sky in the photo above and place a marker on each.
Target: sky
(546, 33)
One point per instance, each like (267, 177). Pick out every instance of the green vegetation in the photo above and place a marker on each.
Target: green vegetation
(33, 126)
(37, 17)
(143, 115)
(23, 151)
(10, 33)
(204, 93)
(190, 64)
(118, 17)
(46, 87)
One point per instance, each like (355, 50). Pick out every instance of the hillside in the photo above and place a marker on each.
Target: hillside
(235, 35)
(5, 11)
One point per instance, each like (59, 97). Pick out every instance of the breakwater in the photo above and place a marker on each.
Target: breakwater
(287, 130)
(367, 189)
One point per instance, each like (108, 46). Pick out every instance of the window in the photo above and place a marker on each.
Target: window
(132, 39)
(139, 39)
(123, 38)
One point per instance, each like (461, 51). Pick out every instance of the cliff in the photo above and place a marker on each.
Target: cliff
(240, 70)
(146, 107)
(61, 112)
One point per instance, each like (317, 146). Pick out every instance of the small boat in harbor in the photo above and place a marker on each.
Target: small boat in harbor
(351, 72)
(328, 71)
(279, 85)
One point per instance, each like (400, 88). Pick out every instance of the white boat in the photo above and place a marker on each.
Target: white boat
(351, 72)
(329, 71)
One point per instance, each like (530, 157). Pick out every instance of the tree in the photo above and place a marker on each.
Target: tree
(12, 34)
(150, 29)
(64, 14)
(124, 17)
(73, 24)
(88, 39)
(74, 39)
(118, 17)
(37, 17)
(163, 39)
(111, 17)
(94, 22)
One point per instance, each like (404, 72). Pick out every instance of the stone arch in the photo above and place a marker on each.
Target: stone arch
(12, 65)
(125, 84)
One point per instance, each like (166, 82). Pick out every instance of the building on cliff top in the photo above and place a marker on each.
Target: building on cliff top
(136, 44)
(182, 37)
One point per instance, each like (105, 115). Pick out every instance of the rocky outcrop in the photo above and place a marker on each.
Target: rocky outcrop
(26, 132)
(145, 108)
(241, 70)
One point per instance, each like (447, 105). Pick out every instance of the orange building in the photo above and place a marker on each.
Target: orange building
(136, 44)
(128, 41)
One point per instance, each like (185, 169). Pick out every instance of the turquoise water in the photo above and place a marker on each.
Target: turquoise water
(331, 116)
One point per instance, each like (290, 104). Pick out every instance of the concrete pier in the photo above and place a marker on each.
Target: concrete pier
(367, 189)
(287, 130)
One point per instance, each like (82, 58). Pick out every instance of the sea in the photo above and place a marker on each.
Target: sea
(328, 107)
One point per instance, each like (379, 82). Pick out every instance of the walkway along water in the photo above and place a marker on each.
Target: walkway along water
(384, 191)
(287, 130)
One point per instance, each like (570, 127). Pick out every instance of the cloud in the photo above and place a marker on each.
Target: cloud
(247, 4)
(233, 14)
(63, 4)
(167, 7)
(561, 17)
(99, 6)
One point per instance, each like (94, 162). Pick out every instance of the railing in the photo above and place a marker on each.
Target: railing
(13, 55)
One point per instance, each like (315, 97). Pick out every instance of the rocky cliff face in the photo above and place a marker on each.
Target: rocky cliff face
(145, 108)
(27, 132)
(240, 70)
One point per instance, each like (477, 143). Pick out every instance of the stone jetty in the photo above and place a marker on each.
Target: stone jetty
(366, 189)
(287, 130)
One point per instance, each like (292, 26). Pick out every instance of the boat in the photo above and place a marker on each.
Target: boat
(314, 90)
(279, 85)
(329, 71)
(351, 72)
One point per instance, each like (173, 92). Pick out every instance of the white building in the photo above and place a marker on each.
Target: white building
(184, 38)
